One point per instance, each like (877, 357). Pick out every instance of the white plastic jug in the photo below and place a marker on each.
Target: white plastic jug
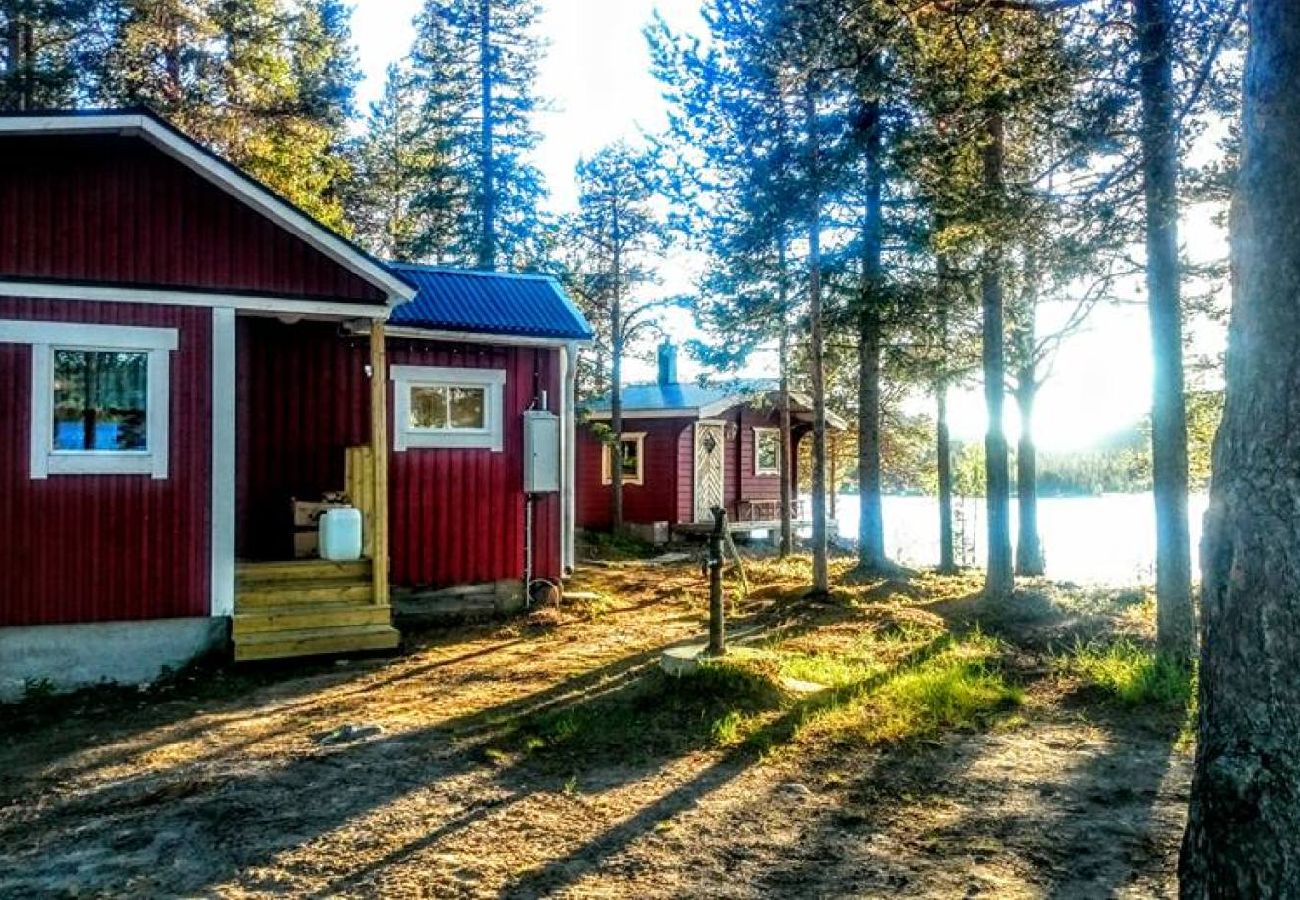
(340, 534)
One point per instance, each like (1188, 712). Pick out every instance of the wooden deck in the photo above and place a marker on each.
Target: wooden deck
(696, 529)
(308, 607)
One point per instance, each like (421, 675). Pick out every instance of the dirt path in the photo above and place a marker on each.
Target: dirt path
(229, 790)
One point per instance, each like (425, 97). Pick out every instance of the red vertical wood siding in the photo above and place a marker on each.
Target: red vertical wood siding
(456, 516)
(109, 209)
(92, 548)
(655, 499)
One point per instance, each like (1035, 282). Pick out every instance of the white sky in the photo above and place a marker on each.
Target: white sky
(597, 82)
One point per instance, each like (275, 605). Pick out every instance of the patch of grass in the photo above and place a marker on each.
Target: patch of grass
(1132, 674)
(615, 547)
(712, 706)
(952, 684)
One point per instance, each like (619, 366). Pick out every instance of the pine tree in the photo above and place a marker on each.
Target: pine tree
(475, 64)
(48, 51)
(390, 162)
(621, 236)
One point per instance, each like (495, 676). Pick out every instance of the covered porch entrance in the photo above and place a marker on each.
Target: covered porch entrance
(311, 404)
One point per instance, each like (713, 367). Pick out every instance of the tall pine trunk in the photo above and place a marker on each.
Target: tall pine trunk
(820, 547)
(1029, 546)
(788, 468)
(943, 450)
(1175, 617)
(616, 380)
(487, 227)
(871, 524)
(998, 580)
(1241, 838)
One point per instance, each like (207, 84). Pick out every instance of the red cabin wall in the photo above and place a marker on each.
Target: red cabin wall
(95, 548)
(656, 499)
(456, 516)
(111, 209)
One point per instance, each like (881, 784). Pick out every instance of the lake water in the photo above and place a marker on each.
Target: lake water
(1089, 540)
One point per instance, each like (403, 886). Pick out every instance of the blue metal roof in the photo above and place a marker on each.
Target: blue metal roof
(488, 303)
(686, 396)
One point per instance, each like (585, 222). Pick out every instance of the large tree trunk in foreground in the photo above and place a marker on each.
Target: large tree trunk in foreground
(1175, 618)
(1243, 832)
(871, 519)
(943, 448)
(998, 578)
(820, 547)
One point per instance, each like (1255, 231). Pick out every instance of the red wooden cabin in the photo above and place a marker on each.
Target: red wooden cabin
(182, 352)
(689, 447)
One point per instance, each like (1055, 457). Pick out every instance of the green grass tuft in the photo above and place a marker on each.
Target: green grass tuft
(1132, 674)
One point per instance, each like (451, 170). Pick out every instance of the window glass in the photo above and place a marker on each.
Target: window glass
(768, 450)
(468, 407)
(631, 458)
(428, 407)
(100, 400)
(448, 407)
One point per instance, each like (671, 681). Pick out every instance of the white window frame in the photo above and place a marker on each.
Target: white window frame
(607, 460)
(490, 437)
(46, 337)
(759, 470)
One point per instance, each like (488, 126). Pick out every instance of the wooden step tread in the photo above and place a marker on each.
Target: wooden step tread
(298, 592)
(316, 642)
(298, 569)
(298, 616)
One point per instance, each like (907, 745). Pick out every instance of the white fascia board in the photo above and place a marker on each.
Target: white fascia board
(85, 335)
(474, 337)
(46, 290)
(225, 177)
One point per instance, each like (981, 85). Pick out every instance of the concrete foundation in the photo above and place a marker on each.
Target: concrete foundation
(67, 657)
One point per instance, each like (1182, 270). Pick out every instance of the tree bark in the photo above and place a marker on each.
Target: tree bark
(787, 444)
(616, 380)
(820, 546)
(487, 236)
(1175, 616)
(1029, 546)
(998, 579)
(943, 449)
(871, 524)
(1243, 827)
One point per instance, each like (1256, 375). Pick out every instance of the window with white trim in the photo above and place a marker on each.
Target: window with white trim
(767, 451)
(100, 401)
(633, 460)
(441, 406)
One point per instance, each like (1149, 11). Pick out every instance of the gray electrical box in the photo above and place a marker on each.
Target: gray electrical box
(541, 452)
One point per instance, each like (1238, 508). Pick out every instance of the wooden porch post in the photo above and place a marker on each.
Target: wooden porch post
(379, 451)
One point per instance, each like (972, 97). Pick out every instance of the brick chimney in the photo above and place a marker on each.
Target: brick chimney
(667, 362)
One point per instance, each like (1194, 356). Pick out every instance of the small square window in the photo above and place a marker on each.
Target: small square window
(100, 396)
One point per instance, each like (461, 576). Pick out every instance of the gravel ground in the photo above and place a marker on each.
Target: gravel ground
(383, 778)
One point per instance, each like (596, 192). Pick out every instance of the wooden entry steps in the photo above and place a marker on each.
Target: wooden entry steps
(308, 607)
